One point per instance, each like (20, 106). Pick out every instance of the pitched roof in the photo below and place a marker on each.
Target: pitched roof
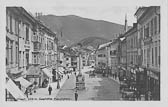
(104, 45)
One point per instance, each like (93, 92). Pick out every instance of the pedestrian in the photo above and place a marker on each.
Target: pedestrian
(68, 76)
(26, 92)
(76, 95)
(49, 89)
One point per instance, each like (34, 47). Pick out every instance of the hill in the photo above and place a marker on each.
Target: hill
(75, 28)
(92, 41)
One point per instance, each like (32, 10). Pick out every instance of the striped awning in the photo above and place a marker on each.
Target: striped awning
(25, 83)
(14, 90)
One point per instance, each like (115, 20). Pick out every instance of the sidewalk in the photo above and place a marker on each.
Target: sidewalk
(42, 93)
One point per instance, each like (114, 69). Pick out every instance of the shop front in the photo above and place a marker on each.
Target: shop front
(141, 82)
(13, 93)
(153, 84)
(47, 74)
(34, 75)
(122, 72)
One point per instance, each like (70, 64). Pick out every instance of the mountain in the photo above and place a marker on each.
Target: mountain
(75, 28)
(90, 42)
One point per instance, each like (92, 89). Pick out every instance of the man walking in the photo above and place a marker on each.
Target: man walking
(76, 95)
(49, 89)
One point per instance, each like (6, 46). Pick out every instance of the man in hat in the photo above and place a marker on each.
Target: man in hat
(76, 95)
(49, 89)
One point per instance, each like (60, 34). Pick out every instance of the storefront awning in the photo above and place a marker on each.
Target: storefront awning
(14, 90)
(23, 82)
(47, 72)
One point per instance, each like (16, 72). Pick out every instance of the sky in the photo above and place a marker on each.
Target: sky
(114, 14)
(108, 10)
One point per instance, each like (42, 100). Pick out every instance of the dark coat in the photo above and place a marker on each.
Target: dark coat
(49, 88)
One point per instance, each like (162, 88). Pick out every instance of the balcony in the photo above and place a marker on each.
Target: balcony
(36, 47)
(27, 44)
(36, 50)
(36, 38)
(147, 40)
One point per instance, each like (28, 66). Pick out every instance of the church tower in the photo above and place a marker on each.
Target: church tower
(125, 26)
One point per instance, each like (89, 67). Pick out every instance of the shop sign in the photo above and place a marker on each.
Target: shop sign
(32, 76)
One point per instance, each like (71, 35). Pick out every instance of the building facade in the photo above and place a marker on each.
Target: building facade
(112, 55)
(148, 19)
(30, 47)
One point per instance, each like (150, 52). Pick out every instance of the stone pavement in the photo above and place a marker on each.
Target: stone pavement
(68, 89)
(97, 88)
(42, 93)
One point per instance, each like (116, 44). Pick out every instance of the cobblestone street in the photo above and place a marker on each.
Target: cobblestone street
(97, 88)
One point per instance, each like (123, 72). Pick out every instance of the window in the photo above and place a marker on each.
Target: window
(7, 52)
(132, 44)
(148, 56)
(7, 21)
(27, 33)
(11, 48)
(20, 59)
(10, 24)
(155, 24)
(146, 31)
(100, 55)
(16, 27)
(143, 32)
(114, 52)
(35, 46)
(144, 57)
(35, 60)
(132, 58)
(159, 56)
(152, 57)
(159, 23)
(156, 56)
(16, 53)
(152, 27)
(27, 58)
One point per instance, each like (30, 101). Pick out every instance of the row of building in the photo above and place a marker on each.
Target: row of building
(135, 54)
(33, 55)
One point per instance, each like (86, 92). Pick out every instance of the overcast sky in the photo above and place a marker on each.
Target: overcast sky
(108, 10)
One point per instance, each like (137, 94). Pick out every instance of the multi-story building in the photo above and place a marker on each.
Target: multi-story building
(43, 52)
(19, 46)
(30, 48)
(113, 56)
(132, 43)
(132, 51)
(148, 19)
(122, 52)
(91, 59)
(12, 41)
(102, 55)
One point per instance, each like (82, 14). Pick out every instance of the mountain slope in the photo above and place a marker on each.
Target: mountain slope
(92, 41)
(75, 28)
